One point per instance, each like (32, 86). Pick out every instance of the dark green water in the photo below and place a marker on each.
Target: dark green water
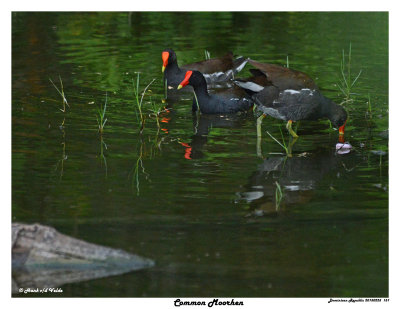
(210, 223)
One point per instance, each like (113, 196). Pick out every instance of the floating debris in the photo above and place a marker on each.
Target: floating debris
(343, 148)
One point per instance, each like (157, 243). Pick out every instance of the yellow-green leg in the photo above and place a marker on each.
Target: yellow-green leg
(289, 128)
(290, 146)
(259, 152)
(259, 122)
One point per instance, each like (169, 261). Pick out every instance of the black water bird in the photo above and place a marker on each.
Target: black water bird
(294, 105)
(215, 70)
(283, 78)
(230, 101)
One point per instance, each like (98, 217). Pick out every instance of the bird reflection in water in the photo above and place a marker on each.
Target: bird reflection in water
(298, 177)
(203, 124)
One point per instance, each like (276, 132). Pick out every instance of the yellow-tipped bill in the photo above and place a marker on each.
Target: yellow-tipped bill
(185, 80)
(164, 56)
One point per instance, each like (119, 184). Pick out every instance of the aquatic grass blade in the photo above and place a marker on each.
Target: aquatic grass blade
(101, 120)
(356, 78)
(197, 102)
(61, 92)
(346, 81)
(278, 195)
(284, 147)
(139, 102)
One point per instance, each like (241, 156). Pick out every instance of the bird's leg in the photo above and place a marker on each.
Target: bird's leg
(289, 128)
(259, 151)
(259, 122)
(291, 143)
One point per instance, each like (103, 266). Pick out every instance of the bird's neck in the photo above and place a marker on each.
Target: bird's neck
(202, 97)
(201, 91)
(172, 67)
(332, 110)
(327, 107)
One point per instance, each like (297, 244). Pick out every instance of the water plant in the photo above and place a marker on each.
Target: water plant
(165, 89)
(139, 102)
(63, 157)
(62, 94)
(287, 148)
(278, 195)
(207, 54)
(369, 108)
(197, 102)
(156, 110)
(102, 156)
(101, 120)
(346, 81)
(136, 181)
(139, 166)
(283, 144)
(64, 99)
(283, 141)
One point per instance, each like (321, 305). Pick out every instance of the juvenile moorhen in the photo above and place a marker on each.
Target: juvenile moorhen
(215, 70)
(283, 78)
(294, 105)
(227, 102)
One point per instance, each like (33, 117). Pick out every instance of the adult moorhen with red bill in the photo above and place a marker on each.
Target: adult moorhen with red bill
(230, 101)
(215, 70)
(294, 105)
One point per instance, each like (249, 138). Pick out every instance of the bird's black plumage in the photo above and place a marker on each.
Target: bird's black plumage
(295, 105)
(230, 101)
(215, 70)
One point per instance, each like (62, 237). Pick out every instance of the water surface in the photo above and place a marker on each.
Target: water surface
(205, 210)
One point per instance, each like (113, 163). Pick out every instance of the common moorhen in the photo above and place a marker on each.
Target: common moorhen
(231, 101)
(283, 78)
(215, 70)
(293, 105)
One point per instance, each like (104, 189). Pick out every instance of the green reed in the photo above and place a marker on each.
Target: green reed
(102, 156)
(139, 101)
(369, 107)
(278, 195)
(155, 110)
(347, 82)
(62, 94)
(101, 116)
(283, 144)
(197, 102)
